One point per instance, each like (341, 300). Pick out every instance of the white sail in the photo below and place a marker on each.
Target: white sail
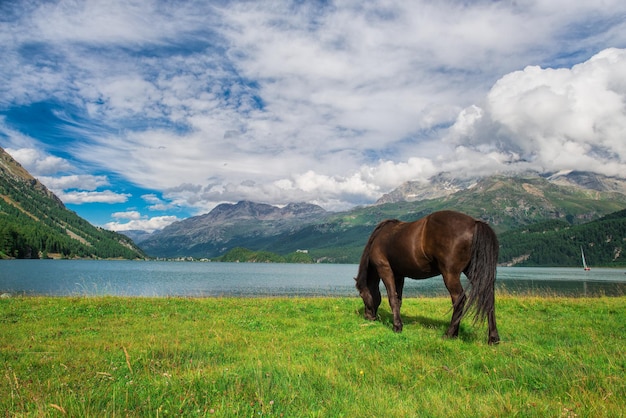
(582, 254)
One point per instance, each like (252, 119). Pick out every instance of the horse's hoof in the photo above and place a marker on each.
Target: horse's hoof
(494, 338)
(494, 341)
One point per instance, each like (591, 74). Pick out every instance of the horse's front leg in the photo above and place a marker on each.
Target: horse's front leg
(399, 289)
(389, 280)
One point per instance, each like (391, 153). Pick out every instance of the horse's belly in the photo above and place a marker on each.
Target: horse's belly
(422, 275)
(421, 272)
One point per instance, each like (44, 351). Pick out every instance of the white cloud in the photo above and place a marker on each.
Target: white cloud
(389, 174)
(135, 221)
(151, 198)
(75, 181)
(147, 224)
(82, 197)
(554, 119)
(130, 215)
(156, 204)
(115, 21)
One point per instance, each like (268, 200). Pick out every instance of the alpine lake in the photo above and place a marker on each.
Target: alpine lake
(211, 279)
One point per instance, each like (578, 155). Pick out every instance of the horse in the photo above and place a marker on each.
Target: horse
(445, 243)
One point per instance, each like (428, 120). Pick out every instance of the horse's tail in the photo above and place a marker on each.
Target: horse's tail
(361, 278)
(481, 272)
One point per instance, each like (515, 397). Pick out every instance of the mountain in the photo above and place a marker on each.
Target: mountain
(506, 202)
(588, 181)
(34, 222)
(441, 185)
(137, 235)
(446, 184)
(243, 224)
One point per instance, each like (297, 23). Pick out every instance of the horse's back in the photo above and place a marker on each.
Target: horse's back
(450, 222)
(450, 219)
(448, 238)
(398, 245)
(417, 248)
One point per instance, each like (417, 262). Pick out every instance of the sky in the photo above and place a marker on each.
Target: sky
(139, 113)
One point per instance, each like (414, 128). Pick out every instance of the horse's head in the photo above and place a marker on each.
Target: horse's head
(371, 307)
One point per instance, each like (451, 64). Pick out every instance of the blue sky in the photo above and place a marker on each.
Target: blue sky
(140, 113)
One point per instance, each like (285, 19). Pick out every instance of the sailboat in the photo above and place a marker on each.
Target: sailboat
(582, 253)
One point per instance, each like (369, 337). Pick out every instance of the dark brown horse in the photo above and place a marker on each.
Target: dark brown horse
(447, 243)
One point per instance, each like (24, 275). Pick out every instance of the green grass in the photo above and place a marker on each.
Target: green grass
(308, 357)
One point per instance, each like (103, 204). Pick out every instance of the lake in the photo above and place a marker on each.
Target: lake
(197, 279)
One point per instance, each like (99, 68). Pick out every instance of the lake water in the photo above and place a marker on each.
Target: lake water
(195, 279)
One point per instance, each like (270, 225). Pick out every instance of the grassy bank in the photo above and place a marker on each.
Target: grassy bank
(307, 357)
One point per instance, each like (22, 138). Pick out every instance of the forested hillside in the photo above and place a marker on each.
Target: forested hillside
(34, 223)
(244, 255)
(557, 243)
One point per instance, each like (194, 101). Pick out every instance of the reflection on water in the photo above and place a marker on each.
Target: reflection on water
(152, 278)
(563, 281)
(539, 281)
(562, 288)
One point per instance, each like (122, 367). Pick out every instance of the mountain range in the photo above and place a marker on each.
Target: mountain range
(507, 202)
(541, 220)
(34, 223)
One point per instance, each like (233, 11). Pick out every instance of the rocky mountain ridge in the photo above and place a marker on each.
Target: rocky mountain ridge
(441, 185)
(246, 210)
(446, 184)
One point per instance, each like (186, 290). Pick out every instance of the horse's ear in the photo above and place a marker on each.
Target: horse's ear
(354, 279)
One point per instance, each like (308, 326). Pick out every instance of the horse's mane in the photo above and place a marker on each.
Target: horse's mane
(361, 278)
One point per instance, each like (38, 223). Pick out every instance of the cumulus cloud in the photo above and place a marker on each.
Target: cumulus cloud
(157, 204)
(133, 220)
(142, 224)
(75, 181)
(82, 197)
(554, 119)
(130, 215)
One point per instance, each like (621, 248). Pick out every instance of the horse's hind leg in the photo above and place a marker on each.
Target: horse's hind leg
(494, 338)
(457, 294)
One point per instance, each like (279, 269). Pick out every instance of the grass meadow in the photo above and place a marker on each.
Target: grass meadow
(308, 357)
